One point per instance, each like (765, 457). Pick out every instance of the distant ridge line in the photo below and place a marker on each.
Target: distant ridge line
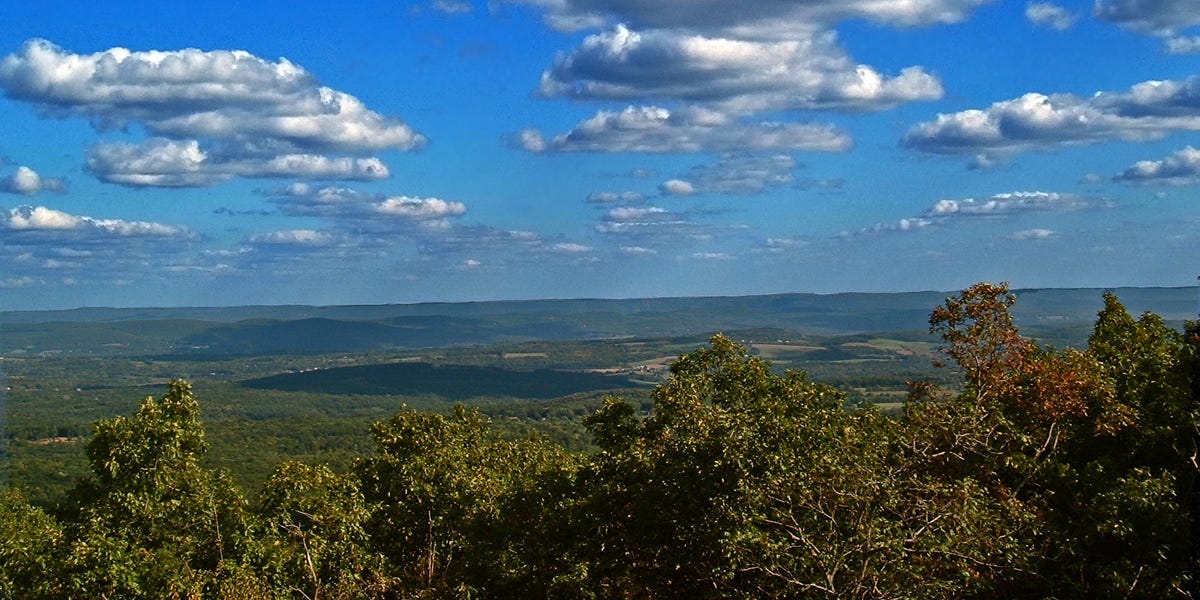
(925, 299)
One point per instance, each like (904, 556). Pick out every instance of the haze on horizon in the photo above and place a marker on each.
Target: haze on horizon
(156, 154)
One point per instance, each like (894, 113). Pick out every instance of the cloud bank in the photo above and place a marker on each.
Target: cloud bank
(1149, 110)
(698, 75)
(946, 212)
(42, 219)
(652, 129)
(42, 246)
(161, 162)
(733, 76)
(211, 115)
(353, 209)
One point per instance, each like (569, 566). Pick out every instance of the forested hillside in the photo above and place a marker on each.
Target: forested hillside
(1067, 473)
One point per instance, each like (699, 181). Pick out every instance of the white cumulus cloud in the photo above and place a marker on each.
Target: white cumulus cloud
(161, 162)
(677, 187)
(261, 118)
(906, 224)
(570, 248)
(1032, 234)
(999, 206)
(419, 208)
(1180, 168)
(615, 197)
(740, 173)
(293, 237)
(362, 208)
(43, 219)
(735, 76)
(27, 182)
(715, 67)
(1046, 14)
(654, 129)
(626, 214)
(1147, 111)
(1009, 203)
(638, 250)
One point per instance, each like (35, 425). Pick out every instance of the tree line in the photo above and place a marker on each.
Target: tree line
(1051, 473)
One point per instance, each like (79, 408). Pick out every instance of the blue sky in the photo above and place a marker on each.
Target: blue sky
(167, 153)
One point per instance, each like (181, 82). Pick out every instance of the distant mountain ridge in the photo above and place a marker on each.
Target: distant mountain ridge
(1170, 302)
(246, 330)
